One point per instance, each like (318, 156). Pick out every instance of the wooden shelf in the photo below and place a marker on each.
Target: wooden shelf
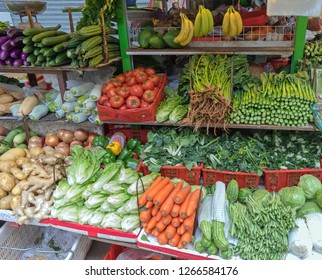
(287, 51)
(310, 127)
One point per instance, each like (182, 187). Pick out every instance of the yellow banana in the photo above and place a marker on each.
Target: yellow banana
(210, 20)
(184, 32)
(188, 39)
(197, 24)
(239, 22)
(232, 24)
(226, 22)
(204, 26)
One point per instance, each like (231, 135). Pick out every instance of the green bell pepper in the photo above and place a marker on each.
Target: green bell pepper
(139, 150)
(101, 141)
(133, 143)
(132, 163)
(125, 154)
(109, 157)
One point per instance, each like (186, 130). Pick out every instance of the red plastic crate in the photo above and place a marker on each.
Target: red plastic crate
(133, 115)
(244, 179)
(192, 177)
(278, 179)
(140, 134)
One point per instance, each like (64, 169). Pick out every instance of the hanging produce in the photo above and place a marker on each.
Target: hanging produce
(232, 23)
(186, 32)
(204, 22)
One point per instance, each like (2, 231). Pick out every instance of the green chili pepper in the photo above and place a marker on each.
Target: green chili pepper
(101, 141)
(132, 163)
(125, 154)
(139, 150)
(132, 144)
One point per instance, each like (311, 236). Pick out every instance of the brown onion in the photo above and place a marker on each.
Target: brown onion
(60, 133)
(51, 140)
(35, 139)
(68, 136)
(85, 143)
(3, 131)
(74, 143)
(32, 145)
(80, 134)
(62, 148)
(90, 137)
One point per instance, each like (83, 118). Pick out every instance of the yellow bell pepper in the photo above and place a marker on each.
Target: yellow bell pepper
(115, 147)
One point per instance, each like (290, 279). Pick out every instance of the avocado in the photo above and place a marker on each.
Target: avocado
(156, 42)
(169, 37)
(144, 37)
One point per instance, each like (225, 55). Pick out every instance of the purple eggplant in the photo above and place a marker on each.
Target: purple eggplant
(17, 62)
(4, 39)
(15, 53)
(26, 63)
(3, 33)
(24, 55)
(14, 32)
(17, 41)
(7, 46)
(9, 61)
(2, 63)
(4, 54)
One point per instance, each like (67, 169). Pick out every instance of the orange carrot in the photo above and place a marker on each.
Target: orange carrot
(170, 231)
(159, 216)
(175, 222)
(149, 204)
(184, 205)
(166, 220)
(182, 194)
(144, 224)
(185, 239)
(167, 205)
(155, 210)
(189, 222)
(181, 220)
(147, 230)
(163, 194)
(162, 239)
(180, 229)
(145, 215)
(142, 198)
(174, 240)
(193, 202)
(152, 223)
(160, 226)
(151, 192)
(175, 210)
(154, 232)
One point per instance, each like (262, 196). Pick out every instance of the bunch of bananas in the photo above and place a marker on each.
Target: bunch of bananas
(204, 22)
(186, 32)
(232, 24)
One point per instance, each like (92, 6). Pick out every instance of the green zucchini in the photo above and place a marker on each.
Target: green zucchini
(61, 57)
(71, 53)
(55, 40)
(36, 51)
(60, 47)
(50, 52)
(38, 38)
(35, 31)
(27, 40)
(31, 58)
(53, 63)
(28, 49)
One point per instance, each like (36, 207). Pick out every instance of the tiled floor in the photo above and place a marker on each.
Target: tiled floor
(97, 251)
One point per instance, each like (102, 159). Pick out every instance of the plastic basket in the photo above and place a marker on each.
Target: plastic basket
(140, 134)
(133, 115)
(278, 179)
(244, 179)
(317, 112)
(190, 176)
(15, 240)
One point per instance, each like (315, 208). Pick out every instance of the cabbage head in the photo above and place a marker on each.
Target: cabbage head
(310, 185)
(308, 208)
(292, 196)
(262, 196)
(319, 198)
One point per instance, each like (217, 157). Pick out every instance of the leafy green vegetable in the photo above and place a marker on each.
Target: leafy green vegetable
(118, 200)
(166, 108)
(292, 196)
(95, 200)
(319, 198)
(69, 213)
(114, 187)
(310, 185)
(261, 196)
(97, 218)
(308, 208)
(61, 189)
(112, 220)
(146, 180)
(85, 215)
(178, 113)
(130, 222)
(127, 176)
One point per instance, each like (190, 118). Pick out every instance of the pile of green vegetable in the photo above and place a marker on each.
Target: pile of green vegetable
(99, 197)
(281, 99)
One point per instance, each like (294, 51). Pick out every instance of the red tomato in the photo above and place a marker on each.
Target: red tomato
(121, 77)
(133, 102)
(128, 73)
(148, 84)
(141, 77)
(149, 96)
(123, 107)
(111, 92)
(124, 92)
(117, 101)
(136, 90)
(144, 104)
(131, 81)
(150, 71)
(155, 79)
(102, 99)
(107, 103)
(106, 87)
(116, 82)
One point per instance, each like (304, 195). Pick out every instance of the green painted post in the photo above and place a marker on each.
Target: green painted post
(299, 43)
(124, 40)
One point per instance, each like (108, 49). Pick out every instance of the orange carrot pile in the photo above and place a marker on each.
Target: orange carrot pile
(169, 211)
